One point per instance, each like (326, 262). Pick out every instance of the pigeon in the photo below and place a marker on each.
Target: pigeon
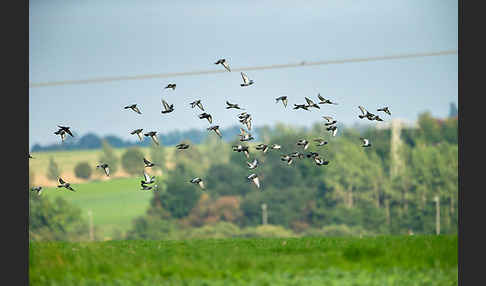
(253, 177)
(215, 128)
(37, 189)
(105, 167)
(366, 113)
(137, 131)
(148, 179)
(244, 115)
(333, 129)
(62, 133)
(65, 185)
(207, 116)
(230, 105)
(321, 142)
(134, 108)
(276, 146)
(198, 104)
(324, 101)
(312, 155)
(252, 165)
(146, 188)
(198, 181)
(330, 120)
(153, 135)
(246, 81)
(286, 158)
(310, 103)
(303, 142)
(384, 109)
(283, 99)
(244, 149)
(366, 142)
(301, 106)
(182, 146)
(245, 136)
(66, 129)
(224, 63)
(171, 85)
(148, 164)
(167, 108)
(320, 162)
(263, 147)
(377, 118)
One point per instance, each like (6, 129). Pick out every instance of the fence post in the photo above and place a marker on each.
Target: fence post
(437, 215)
(264, 214)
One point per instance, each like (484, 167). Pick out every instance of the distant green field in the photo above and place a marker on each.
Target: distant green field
(114, 203)
(391, 260)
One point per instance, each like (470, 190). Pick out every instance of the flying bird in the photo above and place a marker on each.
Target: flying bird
(312, 155)
(333, 129)
(66, 129)
(246, 81)
(171, 85)
(147, 179)
(377, 118)
(153, 135)
(253, 177)
(182, 146)
(330, 120)
(105, 167)
(198, 104)
(366, 142)
(64, 184)
(246, 121)
(38, 190)
(207, 116)
(244, 149)
(301, 106)
(245, 136)
(198, 181)
(283, 99)
(61, 133)
(311, 103)
(252, 165)
(138, 132)
(276, 146)
(215, 128)
(167, 108)
(262, 147)
(148, 164)
(320, 162)
(320, 142)
(365, 113)
(286, 158)
(231, 105)
(224, 63)
(384, 109)
(134, 108)
(304, 143)
(325, 101)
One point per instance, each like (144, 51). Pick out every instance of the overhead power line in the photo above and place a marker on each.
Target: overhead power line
(277, 66)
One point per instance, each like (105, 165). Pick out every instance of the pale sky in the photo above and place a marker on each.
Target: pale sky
(72, 40)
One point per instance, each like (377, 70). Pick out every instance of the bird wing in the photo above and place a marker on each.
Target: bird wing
(309, 101)
(107, 171)
(284, 102)
(140, 136)
(165, 104)
(247, 154)
(147, 177)
(69, 187)
(363, 110)
(218, 132)
(256, 181)
(201, 184)
(135, 108)
(334, 132)
(320, 97)
(154, 137)
(61, 181)
(248, 124)
(328, 118)
(226, 66)
(245, 78)
(147, 162)
(199, 104)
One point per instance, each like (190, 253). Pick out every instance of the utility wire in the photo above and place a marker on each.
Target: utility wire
(277, 66)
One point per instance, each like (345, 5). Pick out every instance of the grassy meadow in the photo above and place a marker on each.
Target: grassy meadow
(382, 260)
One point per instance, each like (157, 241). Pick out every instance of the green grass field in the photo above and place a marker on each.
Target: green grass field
(114, 203)
(388, 260)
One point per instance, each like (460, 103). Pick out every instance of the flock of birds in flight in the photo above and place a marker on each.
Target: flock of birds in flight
(244, 118)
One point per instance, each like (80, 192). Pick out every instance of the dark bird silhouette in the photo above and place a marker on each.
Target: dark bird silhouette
(38, 190)
(365, 113)
(147, 179)
(153, 135)
(147, 188)
(66, 129)
(138, 132)
(224, 63)
(148, 164)
(167, 108)
(134, 108)
(301, 106)
(216, 130)
(246, 81)
(244, 149)
(384, 109)
(231, 105)
(61, 133)
(377, 118)
(198, 104)
(311, 103)
(325, 101)
(283, 99)
(330, 120)
(207, 116)
(105, 167)
(199, 182)
(182, 146)
(254, 178)
(171, 85)
(64, 184)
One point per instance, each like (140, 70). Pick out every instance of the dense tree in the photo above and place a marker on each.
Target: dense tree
(53, 171)
(132, 161)
(83, 170)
